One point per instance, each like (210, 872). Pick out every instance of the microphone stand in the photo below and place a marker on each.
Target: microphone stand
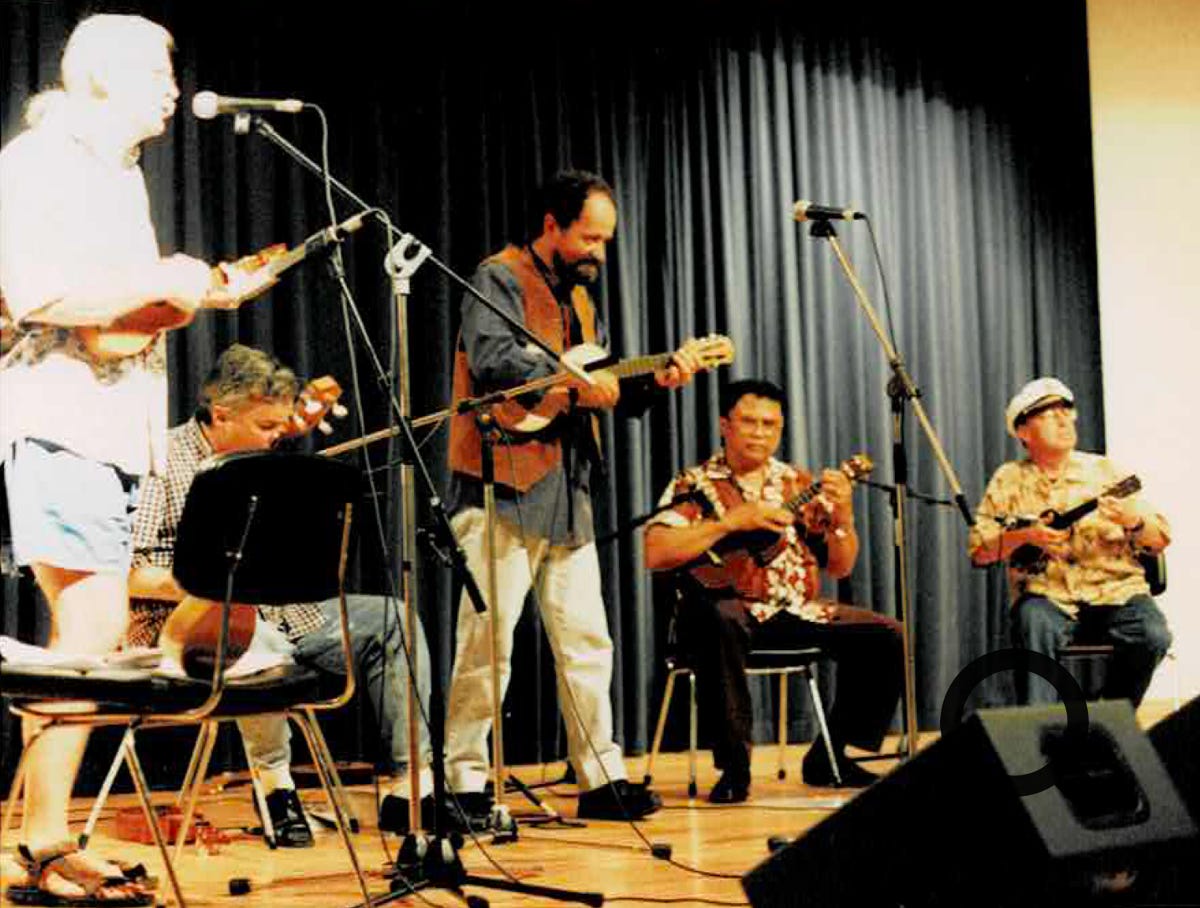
(436, 858)
(901, 389)
(636, 522)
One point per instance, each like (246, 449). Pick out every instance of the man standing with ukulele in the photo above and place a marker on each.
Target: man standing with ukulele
(78, 255)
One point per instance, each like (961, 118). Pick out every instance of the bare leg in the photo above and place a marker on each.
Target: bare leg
(88, 614)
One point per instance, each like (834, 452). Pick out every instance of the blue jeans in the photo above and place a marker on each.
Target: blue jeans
(382, 670)
(1138, 631)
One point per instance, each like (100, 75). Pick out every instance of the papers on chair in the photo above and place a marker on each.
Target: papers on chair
(250, 664)
(151, 659)
(18, 653)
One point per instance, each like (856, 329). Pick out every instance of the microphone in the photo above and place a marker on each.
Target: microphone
(804, 210)
(207, 104)
(330, 235)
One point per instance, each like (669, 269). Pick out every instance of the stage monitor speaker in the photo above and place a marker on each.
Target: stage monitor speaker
(949, 827)
(1177, 740)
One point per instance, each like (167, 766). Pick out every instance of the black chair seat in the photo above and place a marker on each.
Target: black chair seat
(1078, 650)
(137, 691)
(782, 658)
(756, 659)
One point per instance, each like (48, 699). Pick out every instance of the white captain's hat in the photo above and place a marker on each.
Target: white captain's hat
(1034, 397)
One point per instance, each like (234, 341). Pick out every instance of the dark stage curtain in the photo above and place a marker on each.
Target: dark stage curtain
(964, 135)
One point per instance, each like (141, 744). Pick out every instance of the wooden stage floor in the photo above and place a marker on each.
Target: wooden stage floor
(605, 857)
(719, 843)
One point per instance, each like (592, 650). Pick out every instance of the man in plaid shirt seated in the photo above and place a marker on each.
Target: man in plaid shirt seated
(247, 403)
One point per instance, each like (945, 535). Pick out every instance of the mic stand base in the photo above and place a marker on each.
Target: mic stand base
(433, 862)
(548, 814)
(567, 778)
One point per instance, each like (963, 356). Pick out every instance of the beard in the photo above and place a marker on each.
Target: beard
(580, 272)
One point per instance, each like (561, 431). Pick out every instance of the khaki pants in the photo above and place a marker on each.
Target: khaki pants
(573, 614)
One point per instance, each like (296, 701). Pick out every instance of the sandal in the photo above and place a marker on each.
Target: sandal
(65, 861)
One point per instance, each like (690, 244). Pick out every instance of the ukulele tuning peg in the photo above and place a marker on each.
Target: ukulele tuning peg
(339, 411)
(324, 428)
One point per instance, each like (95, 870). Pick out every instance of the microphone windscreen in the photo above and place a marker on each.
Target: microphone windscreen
(204, 105)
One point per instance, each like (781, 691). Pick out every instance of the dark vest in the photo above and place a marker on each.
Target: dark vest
(523, 463)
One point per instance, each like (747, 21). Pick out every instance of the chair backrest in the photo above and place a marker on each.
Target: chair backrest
(1155, 565)
(285, 512)
(6, 558)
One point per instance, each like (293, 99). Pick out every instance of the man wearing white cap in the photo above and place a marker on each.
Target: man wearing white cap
(1090, 587)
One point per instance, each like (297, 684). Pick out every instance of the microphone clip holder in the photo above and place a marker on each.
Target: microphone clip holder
(403, 260)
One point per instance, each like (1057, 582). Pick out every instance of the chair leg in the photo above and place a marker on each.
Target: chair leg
(312, 733)
(781, 771)
(1174, 679)
(208, 736)
(17, 789)
(101, 797)
(693, 722)
(260, 798)
(143, 791)
(16, 792)
(820, 710)
(338, 789)
(189, 777)
(660, 726)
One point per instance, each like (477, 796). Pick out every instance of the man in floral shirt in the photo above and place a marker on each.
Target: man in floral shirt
(1091, 587)
(742, 604)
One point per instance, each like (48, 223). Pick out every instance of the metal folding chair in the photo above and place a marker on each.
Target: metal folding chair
(266, 528)
(780, 662)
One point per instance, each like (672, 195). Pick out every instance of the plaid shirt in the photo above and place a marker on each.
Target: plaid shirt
(791, 580)
(1101, 567)
(156, 525)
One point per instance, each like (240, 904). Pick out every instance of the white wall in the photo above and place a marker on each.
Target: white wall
(1145, 86)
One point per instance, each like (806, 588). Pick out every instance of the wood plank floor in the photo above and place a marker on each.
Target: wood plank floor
(604, 857)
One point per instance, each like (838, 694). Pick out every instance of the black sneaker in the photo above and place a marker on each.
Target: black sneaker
(393, 814)
(467, 811)
(287, 819)
(816, 771)
(732, 788)
(622, 800)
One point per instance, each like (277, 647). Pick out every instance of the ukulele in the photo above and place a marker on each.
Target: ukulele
(135, 331)
(712, 351)
(193, 628)
(1032, 559)
(736, 557)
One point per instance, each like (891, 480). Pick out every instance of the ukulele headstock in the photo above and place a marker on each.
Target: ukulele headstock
(1130, 485)
(857, 467)
(317, 400)
(712, 350)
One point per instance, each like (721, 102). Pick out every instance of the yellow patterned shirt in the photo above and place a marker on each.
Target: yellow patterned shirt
(1101, 567)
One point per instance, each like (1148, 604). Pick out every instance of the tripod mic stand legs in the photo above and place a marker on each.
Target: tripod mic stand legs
(425, 862)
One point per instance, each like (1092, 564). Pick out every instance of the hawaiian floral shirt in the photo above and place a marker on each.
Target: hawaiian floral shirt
(791, 580)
